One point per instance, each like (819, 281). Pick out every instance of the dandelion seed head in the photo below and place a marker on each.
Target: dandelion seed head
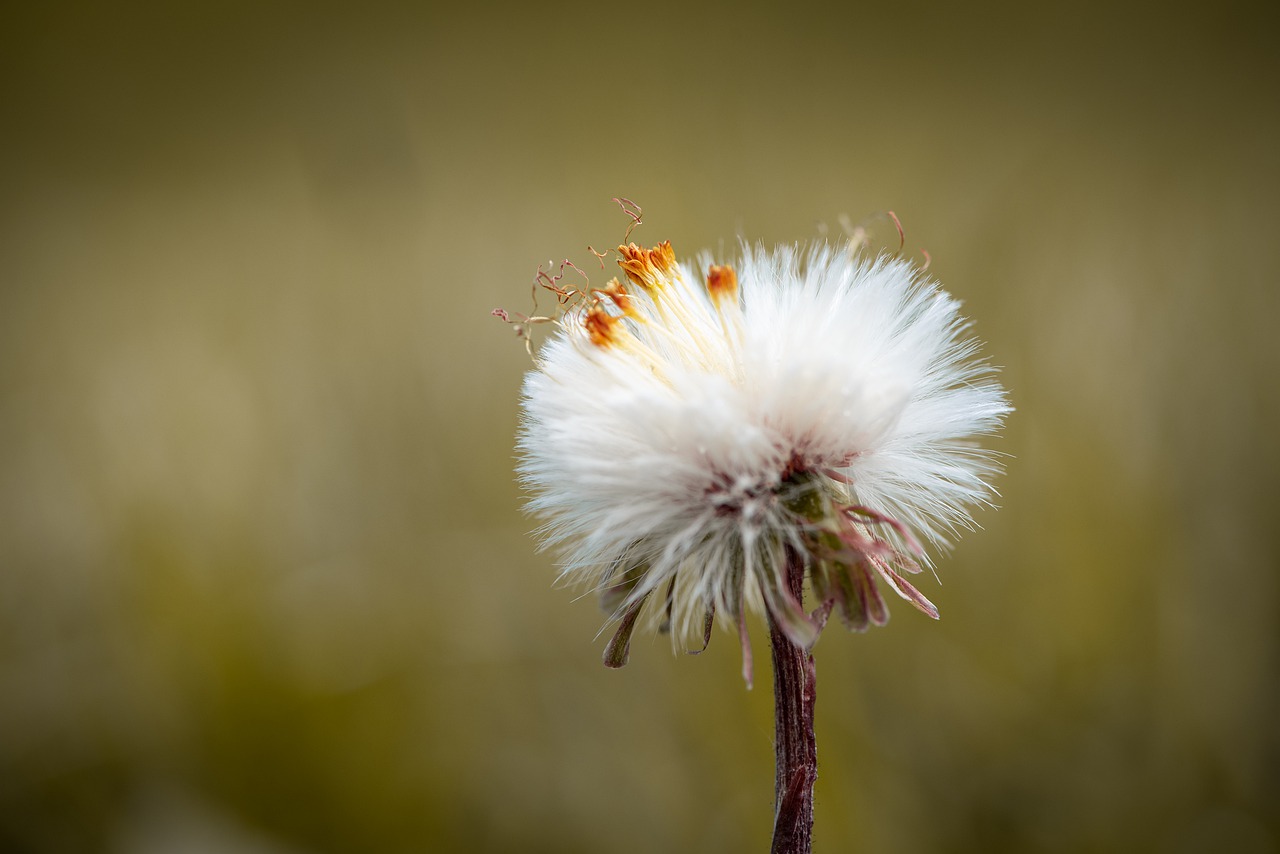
(687, 428)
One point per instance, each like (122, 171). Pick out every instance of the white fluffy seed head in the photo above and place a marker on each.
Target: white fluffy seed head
(674, 423)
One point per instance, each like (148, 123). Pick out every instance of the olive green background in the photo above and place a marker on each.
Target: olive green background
(265, 585)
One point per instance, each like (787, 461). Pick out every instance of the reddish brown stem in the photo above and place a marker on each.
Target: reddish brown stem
(797, 753)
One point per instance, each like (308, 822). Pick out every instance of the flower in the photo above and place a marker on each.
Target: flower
(689, 429)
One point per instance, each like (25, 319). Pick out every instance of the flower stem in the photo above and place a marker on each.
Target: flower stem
(797, 752)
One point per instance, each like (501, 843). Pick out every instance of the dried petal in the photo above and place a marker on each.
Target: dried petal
(877, 518)
(851, 600)
(877, 611)
(745, 639)
(906, 590)
(619, 648)
(665, 626)
(708, 621)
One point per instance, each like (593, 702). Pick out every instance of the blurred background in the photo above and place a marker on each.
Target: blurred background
(265, 584)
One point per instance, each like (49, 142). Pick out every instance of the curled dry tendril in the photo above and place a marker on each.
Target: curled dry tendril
(568, 297)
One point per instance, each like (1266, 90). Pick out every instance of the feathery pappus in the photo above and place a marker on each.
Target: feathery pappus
(689, 425)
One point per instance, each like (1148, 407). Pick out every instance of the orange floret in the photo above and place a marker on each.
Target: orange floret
(722, 283)
(602, 327)
(646, 267)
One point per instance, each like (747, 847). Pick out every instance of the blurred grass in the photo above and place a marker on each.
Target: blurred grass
(264, 582)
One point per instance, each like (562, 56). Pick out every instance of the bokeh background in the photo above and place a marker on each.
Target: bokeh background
(265, 585)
